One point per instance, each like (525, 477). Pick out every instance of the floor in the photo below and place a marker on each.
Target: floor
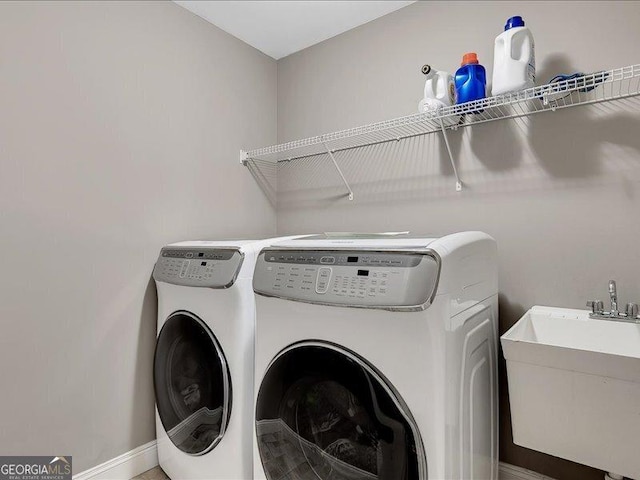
(153, 474)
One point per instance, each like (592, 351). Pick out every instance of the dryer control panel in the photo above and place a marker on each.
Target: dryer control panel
(198, 267)
(348, 278)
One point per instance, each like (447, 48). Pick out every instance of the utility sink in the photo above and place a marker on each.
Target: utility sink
(574, 387)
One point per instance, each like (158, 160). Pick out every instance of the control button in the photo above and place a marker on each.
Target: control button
(322, 282)
(188, 255)
(328, 260)
(184, 268)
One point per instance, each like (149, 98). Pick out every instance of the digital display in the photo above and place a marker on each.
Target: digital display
(201, 254)
(352, 259)
(204, 264)
(363, 273)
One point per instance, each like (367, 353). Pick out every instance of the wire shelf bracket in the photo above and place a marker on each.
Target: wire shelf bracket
(344, 180)
(453, 164)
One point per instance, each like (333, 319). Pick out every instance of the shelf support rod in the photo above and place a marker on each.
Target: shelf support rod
(344, 180)
(455, 170)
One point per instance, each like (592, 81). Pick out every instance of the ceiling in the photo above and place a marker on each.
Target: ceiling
(280, 28)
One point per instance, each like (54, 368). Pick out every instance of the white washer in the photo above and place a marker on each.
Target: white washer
(376, 359)
(203, 375)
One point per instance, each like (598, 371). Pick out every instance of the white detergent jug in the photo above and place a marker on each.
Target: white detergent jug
(439, 90)
(514, 63)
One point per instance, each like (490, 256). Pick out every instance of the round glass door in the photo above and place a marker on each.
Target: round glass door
(192, 384)
(322, 412)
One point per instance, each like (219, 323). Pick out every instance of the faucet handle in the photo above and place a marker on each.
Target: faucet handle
(597, 306)
(613, 295)
(632, 310)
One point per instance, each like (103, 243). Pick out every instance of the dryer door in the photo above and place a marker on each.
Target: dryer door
(324, 412)
(192, 384)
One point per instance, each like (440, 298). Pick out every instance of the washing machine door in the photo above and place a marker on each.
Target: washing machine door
(324, 413)
(192, 384)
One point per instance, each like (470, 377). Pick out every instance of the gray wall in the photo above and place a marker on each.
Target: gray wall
(558, 191)
(120, 126)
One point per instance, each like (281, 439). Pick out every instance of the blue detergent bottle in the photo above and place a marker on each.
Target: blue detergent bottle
(470, 80)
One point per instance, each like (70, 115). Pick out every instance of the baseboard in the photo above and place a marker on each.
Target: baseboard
(145, 457)
(511, 472)
(125, 466)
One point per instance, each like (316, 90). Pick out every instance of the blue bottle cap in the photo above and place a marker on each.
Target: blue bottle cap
(516, 21)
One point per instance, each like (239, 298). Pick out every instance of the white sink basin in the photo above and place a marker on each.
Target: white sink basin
(574, 387)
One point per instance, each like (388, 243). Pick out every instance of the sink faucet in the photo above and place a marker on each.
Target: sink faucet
(597, 308)
(613, 294)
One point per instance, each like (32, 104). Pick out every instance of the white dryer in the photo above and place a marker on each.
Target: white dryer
(203, 365)
(376, 359)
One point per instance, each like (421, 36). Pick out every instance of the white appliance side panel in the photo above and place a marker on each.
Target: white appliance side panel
(477, 400)
(472, 432)
(469, 269)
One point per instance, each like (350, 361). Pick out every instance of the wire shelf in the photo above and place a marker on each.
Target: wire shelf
(588, 89)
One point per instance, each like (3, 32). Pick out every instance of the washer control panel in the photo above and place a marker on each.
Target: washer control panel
(351, 278)
(198, 267)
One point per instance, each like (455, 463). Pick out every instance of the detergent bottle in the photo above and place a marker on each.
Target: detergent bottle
(439, 90)
(470, 80)
(514, 63)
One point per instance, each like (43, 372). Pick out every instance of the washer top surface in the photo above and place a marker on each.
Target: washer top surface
(390, 240)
